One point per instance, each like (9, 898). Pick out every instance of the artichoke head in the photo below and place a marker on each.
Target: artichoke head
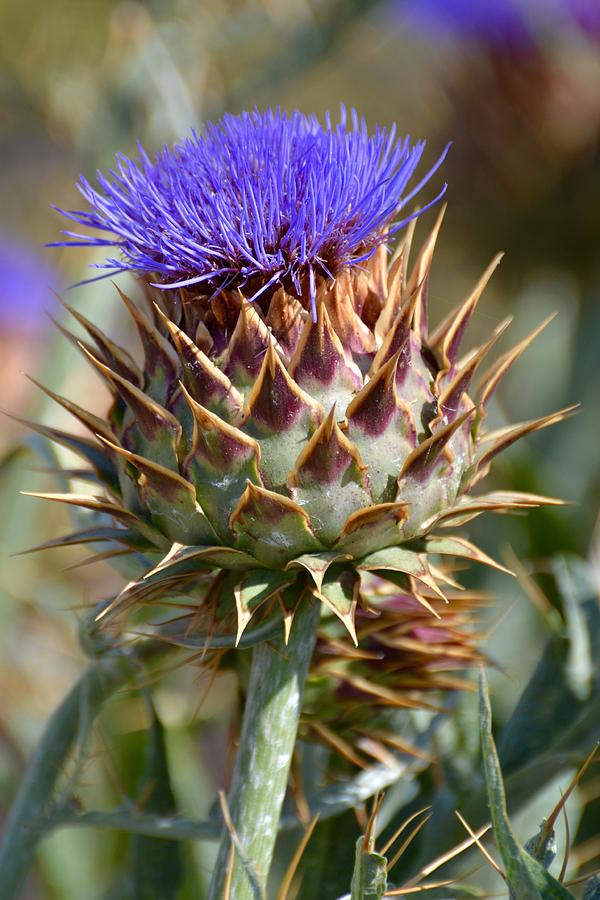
(264, 453)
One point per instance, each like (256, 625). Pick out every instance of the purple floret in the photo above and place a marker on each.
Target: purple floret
(255, 200)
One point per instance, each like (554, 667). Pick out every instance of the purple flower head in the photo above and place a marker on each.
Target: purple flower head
(255, 200)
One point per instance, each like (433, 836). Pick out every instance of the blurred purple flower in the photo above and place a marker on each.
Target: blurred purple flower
(257, 199)
(586, 15)
(502, 24)
(510, 25)
(26, 284)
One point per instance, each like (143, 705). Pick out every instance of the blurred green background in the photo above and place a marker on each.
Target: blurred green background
(79, 81)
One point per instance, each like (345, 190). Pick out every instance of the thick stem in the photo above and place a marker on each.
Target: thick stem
(28, 821)
(271, 715)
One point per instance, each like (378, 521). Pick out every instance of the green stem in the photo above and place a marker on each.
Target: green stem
(68, 727)
(271, 715)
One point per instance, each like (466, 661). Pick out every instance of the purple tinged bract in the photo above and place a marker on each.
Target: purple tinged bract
(256, 199)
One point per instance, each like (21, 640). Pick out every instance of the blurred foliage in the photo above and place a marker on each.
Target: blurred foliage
(80, 81)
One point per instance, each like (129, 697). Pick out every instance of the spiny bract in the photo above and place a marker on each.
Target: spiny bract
(263, 453)
(359, 700)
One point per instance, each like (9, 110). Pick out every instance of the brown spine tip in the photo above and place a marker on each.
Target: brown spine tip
(221, 445)
(327, 456)
(495, 442)
(152, 419)
(246, 347)
(450, 334)
(450, 397)
(425, 456)
(113, 355)
(158, 354)
(418, 282)
(204, 381)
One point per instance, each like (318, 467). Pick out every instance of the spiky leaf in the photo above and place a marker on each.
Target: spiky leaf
(526, 877)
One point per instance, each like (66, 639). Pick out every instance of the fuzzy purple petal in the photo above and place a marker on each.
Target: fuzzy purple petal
(258, 198)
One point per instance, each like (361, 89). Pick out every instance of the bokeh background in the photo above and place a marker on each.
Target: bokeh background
(516, 88)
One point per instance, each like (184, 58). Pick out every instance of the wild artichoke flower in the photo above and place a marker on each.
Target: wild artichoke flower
(295, 427)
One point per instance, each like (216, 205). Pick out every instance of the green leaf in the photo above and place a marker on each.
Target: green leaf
(157, 862)
(369, 879)
(527, 879)
(259, 585)
(41, 795)
(372, 528)
(550, 715)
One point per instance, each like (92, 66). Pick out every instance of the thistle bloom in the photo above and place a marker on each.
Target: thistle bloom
(281, 442)
(258, 199)
(295, 433)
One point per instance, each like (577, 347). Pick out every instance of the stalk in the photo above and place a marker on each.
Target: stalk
(274, 701)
